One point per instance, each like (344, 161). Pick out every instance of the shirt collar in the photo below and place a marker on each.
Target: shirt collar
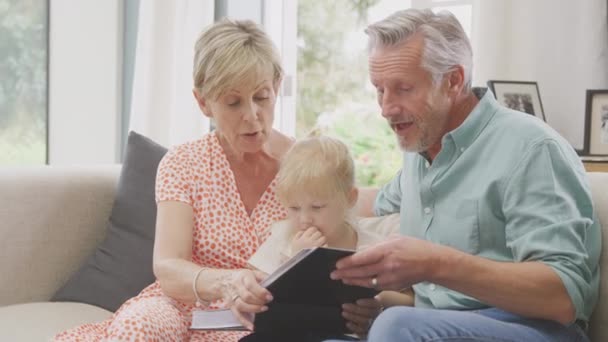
(465, 134)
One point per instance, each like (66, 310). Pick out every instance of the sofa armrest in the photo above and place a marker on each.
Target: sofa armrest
(51, 220)
(599, 319)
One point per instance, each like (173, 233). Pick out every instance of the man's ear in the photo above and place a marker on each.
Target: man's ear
(456, 80)
(202, 103)
(353, 196)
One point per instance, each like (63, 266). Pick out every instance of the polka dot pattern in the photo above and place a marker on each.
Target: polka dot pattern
(225, 236)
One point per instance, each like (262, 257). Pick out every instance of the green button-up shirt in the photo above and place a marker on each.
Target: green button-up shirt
(507, 187)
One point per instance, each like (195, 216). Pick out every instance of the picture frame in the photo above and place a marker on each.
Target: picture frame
(596, 123)
(523, 96)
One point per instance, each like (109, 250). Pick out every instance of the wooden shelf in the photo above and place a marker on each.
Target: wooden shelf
(596, 166)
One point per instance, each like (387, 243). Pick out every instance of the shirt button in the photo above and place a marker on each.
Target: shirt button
(427, 210)
(432, 287)
(462, 149)
(427, 164)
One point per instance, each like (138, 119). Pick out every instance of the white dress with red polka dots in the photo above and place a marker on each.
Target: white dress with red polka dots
(225, 236)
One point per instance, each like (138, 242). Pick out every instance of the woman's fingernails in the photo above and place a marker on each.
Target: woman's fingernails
(263, 308)
(269, 297)
(333, 276)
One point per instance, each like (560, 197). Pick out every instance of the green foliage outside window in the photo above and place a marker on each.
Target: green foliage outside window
(334, 95)
(23, 81)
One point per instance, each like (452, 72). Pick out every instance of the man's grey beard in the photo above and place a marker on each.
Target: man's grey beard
(419, 147)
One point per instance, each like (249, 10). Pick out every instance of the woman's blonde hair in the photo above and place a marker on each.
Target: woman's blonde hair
(320, 166)
(233, 51)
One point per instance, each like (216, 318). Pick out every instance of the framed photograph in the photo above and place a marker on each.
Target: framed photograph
(596, 122)
(518, 95)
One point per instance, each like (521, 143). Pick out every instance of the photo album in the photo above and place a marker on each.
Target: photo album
(305, 298)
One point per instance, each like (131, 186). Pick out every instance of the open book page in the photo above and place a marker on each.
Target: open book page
(269, 255)
(222, 319)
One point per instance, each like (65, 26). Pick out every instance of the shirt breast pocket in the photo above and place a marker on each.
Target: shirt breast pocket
(458, 226)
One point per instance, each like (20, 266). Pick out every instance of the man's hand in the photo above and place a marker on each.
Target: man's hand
(394, 264)
(309, 238)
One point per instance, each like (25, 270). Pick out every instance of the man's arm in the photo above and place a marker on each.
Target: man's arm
(380, 202)
(530, 289)
(550, 230)
(552, 234)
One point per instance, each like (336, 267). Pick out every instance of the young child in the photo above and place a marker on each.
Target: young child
(316, 182)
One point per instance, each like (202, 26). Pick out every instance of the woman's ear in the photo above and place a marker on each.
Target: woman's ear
(353, 196)
(277, 86)
(202, 103)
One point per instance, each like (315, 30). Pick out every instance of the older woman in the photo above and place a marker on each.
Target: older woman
(216, 199)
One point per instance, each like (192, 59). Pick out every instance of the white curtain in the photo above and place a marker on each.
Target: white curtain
(162, 105)
(561, 44)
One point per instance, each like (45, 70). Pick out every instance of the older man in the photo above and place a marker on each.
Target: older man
(499, 231)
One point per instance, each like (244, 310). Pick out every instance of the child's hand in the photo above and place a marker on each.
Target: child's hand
(309, 238)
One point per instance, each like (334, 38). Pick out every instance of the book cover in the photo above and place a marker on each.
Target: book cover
(305, 297)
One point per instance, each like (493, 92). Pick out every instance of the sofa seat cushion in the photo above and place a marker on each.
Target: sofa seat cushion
(41, 321)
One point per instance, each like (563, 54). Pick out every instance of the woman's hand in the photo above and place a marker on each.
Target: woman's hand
(246, 297)
(309, 238)
(361, 315)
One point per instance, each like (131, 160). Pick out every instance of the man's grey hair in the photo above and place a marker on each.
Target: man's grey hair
(446, 45)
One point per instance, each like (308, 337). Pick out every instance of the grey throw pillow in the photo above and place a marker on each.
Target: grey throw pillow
(122, 265)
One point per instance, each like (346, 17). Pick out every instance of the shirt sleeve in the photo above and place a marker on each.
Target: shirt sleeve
(550, 218)
(174, 178)
(388, 200)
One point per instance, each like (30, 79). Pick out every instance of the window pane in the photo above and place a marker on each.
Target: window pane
(23, 81)
(334, 94)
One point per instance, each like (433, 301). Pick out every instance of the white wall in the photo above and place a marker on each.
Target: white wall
(561, 44)
(84, 81)
(245, 9)
(280, 19)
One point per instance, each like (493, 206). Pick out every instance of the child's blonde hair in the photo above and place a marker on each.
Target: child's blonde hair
(320, 166)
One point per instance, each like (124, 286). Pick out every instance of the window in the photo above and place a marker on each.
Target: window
(334, 95)
(23, 84)
(462, 10)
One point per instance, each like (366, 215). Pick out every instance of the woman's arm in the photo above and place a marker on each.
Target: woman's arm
(173, 250)
(175, 271)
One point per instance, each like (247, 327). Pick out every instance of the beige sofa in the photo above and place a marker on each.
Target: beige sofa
(51, 219)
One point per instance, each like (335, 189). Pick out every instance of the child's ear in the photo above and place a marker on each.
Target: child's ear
(353, 196)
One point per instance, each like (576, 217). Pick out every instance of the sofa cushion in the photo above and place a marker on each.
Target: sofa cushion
(122, 265)
(384, 226)
(41, 245)
(42, 321)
